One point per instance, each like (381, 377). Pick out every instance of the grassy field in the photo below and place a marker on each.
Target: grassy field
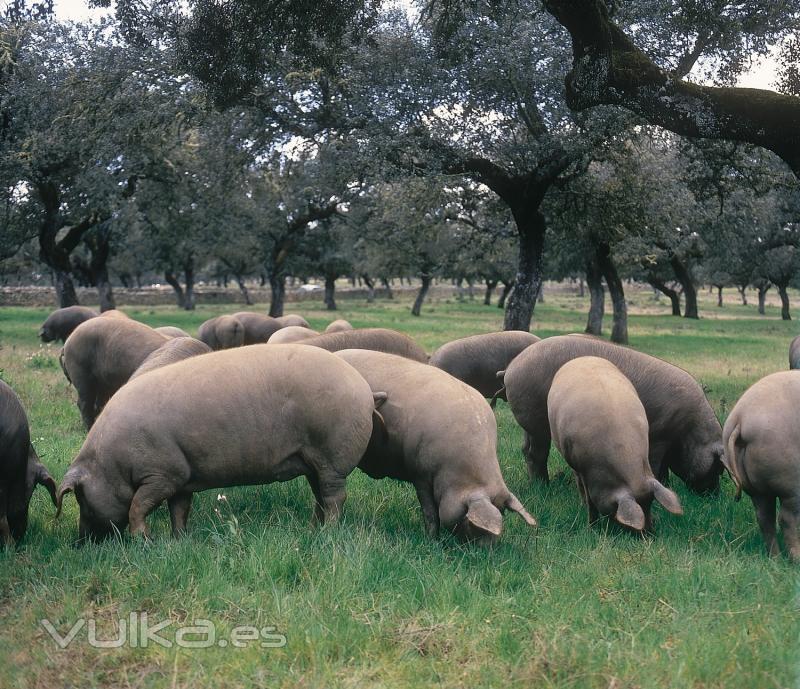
(373, 602)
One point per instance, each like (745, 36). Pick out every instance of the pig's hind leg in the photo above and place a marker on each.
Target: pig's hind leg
(790, 522)
(765, 513)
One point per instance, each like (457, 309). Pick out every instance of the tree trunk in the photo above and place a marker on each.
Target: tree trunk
(471, 288)
(277, 286)
(540, 293)
(65, 288)
(173, 282)
(743, 292)
(762, 298)
(531, 228)
(581, 290)
(674, 297)
(330, 292)
(719, 296)
(683, 276)
(188, 271)
(243, 288)
(105, 291)
(507, 287)
(597, 296)
(388, 287)
(785, 315)
(490, 287)
(423, 291)
(619, 331)
(370, 288)
(459, 289)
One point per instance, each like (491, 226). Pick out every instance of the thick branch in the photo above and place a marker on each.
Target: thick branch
(609, 69)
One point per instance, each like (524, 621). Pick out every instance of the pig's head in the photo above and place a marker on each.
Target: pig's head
(699, 462)
(46, 333)
(19, 499)
(103, 507)
(633, 511)
(476, 518)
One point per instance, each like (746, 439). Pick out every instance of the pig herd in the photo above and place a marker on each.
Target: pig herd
(256, 399)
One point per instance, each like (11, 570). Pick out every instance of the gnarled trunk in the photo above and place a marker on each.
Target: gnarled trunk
(172, 281)
(423, 291)
(674, 297)
(684, 277)
(762, 297)
(330, 292)
(785, 315)
(277, 287)
(508, 285)
(487, 295)
(243, 288)
(531, 227)
(388, 287)
(619, 330)
(719, 296)
(370, 288)
(597, 296)
(743, 292)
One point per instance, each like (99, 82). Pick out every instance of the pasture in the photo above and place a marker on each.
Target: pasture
(372, 601)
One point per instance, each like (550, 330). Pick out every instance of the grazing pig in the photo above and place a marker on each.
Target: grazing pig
(60, 324)
(442, 437)
(115, 313)
(685, 435)
(20, 469)
(238, 417)
(292, 333)
(376, 339)
(257, 327)
(171, 331)
(339, 325)
(607, 450)
(176, 349)
(477, 359)
(101, 355)
(762, 455)
(292, 319)
(794, 353)
(222, 332)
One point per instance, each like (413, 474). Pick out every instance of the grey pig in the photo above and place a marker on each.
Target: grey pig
(442, 438)
(376, 339)
(762, 455)
(685, 435)
(244, 416)
(60, 324)
(607, 451)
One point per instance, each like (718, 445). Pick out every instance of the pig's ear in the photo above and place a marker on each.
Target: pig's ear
(666, 497)
(71, 479)
(629, 513)
(484, 518)
(516, 506)
(38, 475)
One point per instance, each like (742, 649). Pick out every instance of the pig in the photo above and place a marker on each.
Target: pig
(338, 326)
(257, 327)
(101, 355)
(20, 468)
(794, 353)
(441, 436)
(607, 451)
(176, 349)
(477, 359)
(685, 436)
(377, 339)
(292, 319)
(762, 455)
(243, 416)
(115, 313)
(60, 324)
(291, 333)
(222, 332)
(171, 331)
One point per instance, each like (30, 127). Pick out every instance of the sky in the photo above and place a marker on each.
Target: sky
(760, 76)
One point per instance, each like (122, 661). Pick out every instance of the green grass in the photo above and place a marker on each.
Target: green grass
(373, 602)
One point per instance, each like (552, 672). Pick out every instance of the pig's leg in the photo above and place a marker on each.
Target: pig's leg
(330, 494)
(147, 497)
(87, 406)
(313, 481)
(179, 506)
(790, 521)
(430, 511)
(765, 512)
(5, 530)
(536, 451)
